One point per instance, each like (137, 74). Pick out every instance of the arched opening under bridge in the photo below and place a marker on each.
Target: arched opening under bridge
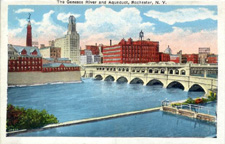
(122, 80)
(196, 87)
(154, 82)
(109, 78)
(175, 84)
(98, 77)
(137, 81)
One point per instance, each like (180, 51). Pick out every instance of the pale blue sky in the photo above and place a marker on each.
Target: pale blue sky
(111, 22)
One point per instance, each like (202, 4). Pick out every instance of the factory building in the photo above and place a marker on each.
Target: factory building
(141, 51)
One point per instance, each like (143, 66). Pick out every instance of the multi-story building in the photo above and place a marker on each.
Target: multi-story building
(164, 57)
(203, 54)
(28, 59)
(51, 52)
(58, 67)
(86, 58)
(190, 58)
(70, 44)
(24, 59)
(96, 59)
(94, 49)
(141, 51)
(175, 58)
(212, 59)
(55, 60)
(82, 52)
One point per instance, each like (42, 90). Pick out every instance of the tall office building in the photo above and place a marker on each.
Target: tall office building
(70, 43)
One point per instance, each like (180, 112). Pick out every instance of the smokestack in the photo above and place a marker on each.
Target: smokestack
(110, 42)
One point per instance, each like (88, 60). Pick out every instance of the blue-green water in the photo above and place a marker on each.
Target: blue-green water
(92, 98)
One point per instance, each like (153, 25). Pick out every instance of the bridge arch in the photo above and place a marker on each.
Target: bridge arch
(98, 77)
(122, 79)
(109, 78)
(137, 81)
(154, 82)
(197, 87)
(175, 84)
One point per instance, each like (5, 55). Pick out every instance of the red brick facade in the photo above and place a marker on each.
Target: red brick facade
(24, 64)
(29, 34)
(164, 57)
(190, 58)
(94, 49)
(131, 52)
(82, 52)
(60, 69)
(212, 60)
(175, 59)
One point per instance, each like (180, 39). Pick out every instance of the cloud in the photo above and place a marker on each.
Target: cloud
(186, 40)
(182, 15)
(42, 31)
(26, 10)
(104, 23)
(64, 17)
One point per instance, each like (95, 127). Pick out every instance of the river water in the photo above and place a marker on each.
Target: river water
(91, 98)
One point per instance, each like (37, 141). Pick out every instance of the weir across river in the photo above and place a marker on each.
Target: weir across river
(85, 120)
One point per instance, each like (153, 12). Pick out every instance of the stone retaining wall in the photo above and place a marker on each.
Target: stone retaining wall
(31, 78)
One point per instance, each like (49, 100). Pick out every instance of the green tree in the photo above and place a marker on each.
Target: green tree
(20, 118)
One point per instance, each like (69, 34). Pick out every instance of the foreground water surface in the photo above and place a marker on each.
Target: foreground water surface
(91, 98)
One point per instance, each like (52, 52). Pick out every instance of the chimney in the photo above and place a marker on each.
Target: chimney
(110, 42)
(95, 44)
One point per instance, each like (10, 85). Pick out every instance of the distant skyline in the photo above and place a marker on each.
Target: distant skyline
(184, 28)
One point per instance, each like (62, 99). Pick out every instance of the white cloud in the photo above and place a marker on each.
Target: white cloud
(64, 17)
(14, 32)
(103, 23)
(42, 31)
(182, 15)
(26, 10)
(186, 40)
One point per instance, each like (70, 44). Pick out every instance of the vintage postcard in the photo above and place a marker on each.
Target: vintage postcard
(97, 71)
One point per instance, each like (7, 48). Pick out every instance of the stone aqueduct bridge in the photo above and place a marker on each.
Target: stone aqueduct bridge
(167, 74)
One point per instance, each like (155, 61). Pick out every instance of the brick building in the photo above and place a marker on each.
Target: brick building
(203, 54)
(82, 52)
(212, 59)
(24, 59)
(175, 58)
(28, 59)
(141, 51)
(55, 60)
(51, 52)
(164, 57)
(58, 67)
(190, 58)
(93, 48)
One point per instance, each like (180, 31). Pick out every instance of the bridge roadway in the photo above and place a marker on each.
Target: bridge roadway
(167, 74)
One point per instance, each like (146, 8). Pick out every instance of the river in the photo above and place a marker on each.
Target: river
(91, 98)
